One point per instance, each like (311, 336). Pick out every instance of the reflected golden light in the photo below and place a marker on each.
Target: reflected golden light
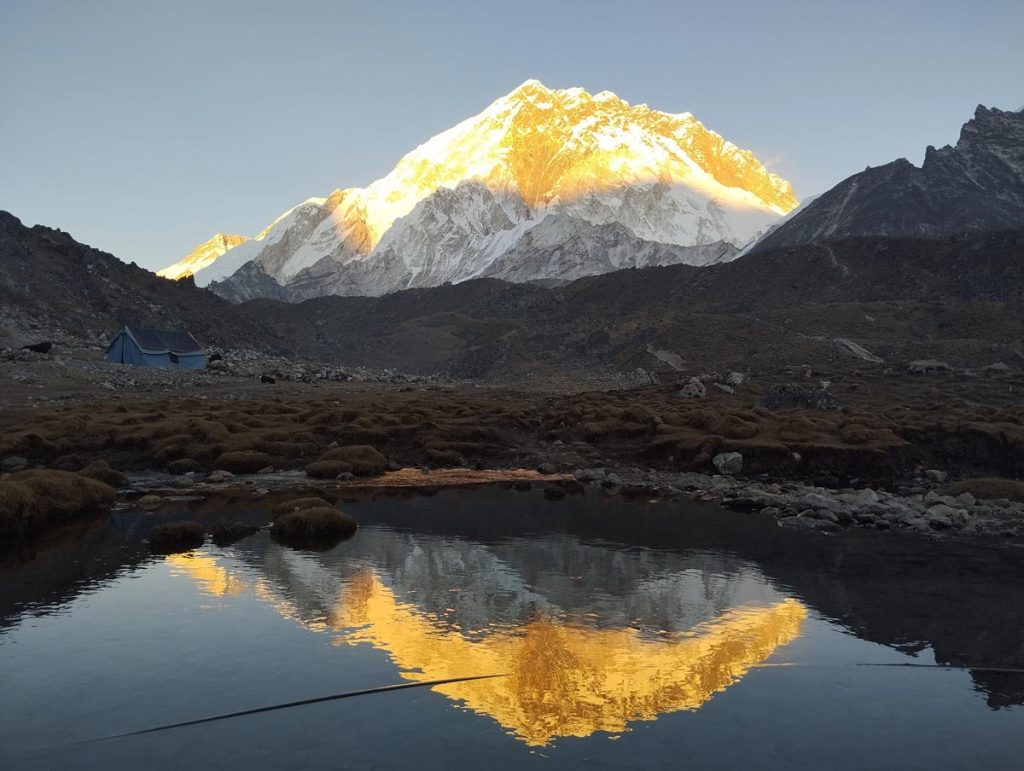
(562, 678)
(212, 578)
(566, 679)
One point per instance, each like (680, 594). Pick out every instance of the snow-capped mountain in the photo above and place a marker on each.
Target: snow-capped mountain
(974, 186)
(543, 184)
(203, 255)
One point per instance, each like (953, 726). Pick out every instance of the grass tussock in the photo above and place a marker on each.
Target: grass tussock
(242, 462)
(328, 469)
(318, 526)
(362, 459)
(31, 501)
(175, 537)
(101, 471)
(225, 532)
(298, 504)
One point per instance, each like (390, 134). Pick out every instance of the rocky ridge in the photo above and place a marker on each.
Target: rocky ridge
(974, 186)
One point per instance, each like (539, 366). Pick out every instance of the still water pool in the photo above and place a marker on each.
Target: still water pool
(626, 635)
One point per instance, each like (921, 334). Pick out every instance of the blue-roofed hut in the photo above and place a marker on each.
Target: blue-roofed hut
(156, 348)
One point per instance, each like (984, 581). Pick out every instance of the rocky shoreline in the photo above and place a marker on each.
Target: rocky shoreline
(918, 507)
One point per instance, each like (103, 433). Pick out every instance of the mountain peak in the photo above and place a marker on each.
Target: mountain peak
(536, 151)
(203, 255)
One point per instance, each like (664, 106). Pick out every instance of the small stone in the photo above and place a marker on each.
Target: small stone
(546, 468)
(266, 470)
(966, 499)
(345, 476)
(934, 475)
(13, 463)
(149, 500)
(219, 476)
(589, 475)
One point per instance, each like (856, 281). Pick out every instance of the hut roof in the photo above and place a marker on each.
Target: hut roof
(163, 341)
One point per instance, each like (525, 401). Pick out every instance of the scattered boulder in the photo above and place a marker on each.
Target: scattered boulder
(174, 537)
(13, 463)
(934, 475)
(149, 501)
(785, 396)
(928, 367)
(693, 389)
(989, 488)
(848, 347)
(547, 468)
(220, 475)
(728, 463)
(998, 368)
(589, 475)
(636, 378)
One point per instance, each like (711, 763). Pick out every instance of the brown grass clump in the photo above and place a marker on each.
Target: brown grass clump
(316, 526)
(225, 532)
(448, 458)
(855, 433)
(327, 469)
(297, 504)
(243, 462)
(175, 536)
(184, 465)
(734, 427)
(702, 418)
(989, 487)
(33, 500)
(363, 459)
(101, 471)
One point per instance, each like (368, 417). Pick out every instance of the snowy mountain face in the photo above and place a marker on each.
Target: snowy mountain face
(202, 256)
(976, 185)
(543, 184)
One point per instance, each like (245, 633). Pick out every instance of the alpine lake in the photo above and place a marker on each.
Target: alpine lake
(602, 633)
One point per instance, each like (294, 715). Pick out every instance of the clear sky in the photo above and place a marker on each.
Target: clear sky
(143, 127)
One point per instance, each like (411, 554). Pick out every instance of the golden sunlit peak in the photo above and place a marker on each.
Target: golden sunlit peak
(204, 254)
(539, 150)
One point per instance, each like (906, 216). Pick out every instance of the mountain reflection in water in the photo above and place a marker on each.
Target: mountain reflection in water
(444, 608)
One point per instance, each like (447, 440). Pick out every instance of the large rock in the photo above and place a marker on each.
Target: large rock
(928, 367)
(693, 389)
(637, 378)
(795, 396)
(729, 463)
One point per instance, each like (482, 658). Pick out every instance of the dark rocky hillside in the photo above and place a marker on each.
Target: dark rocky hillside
(975, 186)
(53, 286)
(901, 298)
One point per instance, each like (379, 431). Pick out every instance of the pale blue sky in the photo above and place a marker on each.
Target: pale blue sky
(144, 127)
